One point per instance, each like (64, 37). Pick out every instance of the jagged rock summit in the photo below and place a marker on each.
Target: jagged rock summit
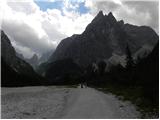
(102, 38)
(34, 61)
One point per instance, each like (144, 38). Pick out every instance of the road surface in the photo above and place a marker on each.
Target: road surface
(61, 102)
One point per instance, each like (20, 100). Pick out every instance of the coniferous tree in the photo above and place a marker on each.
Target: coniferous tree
(129, 66)
(129, 59)
(101, 66)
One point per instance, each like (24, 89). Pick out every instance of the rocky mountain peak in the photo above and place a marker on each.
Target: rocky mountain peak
(105, 18)
(102, 38)
(110, 14)
(101, 24)
(99, 17)
(100, 14)
(34, 61)
(111, 18)
(35, 57)
(121, 22)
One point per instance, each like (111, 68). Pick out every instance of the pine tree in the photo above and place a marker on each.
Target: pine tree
(129, 66)
(129, 59)
(101, 66)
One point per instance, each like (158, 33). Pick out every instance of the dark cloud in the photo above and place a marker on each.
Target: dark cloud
(150, 7)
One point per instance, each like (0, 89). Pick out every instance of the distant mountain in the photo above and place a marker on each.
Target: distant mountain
(20, 56)
(103, 38)
(33, 61)
(43, 65)
(45, 56)
(15, 71)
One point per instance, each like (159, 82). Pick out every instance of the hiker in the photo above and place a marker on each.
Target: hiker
(85, 84)
(81, 85)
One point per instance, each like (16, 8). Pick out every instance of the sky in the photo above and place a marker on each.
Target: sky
(38, 26)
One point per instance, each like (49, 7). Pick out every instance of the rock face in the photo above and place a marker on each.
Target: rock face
(20, 56)
(15, 71)
(103, 37)
(45, 56)
(41, 68)
(34, 61)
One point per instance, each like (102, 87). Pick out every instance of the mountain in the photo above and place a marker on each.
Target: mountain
(43, 65)
(147, 74)
(102, 38)
(63, 72)
(143, 52)
(15, 71)
(33, 61)
(20, 56)
(45, 56)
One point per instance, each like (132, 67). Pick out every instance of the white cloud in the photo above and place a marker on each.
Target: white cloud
(89, 3)
(74, 23)
(118, 2)
(35, 31)
(68, 4)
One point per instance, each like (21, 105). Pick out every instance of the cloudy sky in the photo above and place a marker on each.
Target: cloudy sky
(37, 26)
